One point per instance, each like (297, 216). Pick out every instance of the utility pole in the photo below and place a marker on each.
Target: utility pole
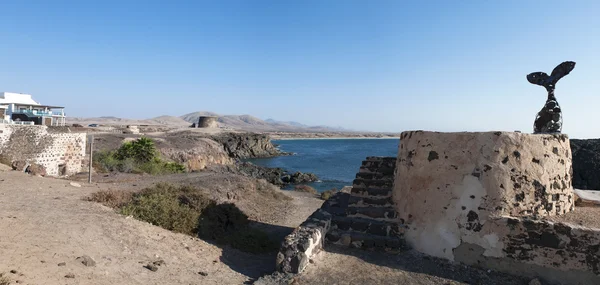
(91, 139)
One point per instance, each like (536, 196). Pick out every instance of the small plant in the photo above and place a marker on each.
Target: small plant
(139, 156)
(142, 150)
(305, 188)
(5, 160)
(328, 193)
(111, 198)
(4, 280)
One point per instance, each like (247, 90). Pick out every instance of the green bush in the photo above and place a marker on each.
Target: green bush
(142, 150)
(188, 210)
(328, 193)
(139, 156)
(5, 160)
(175, 208)
(305, 188)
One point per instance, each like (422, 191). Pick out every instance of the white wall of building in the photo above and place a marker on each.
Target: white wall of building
(16, 98)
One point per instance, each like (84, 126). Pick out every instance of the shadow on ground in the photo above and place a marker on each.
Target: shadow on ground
(415, 266)
(250, 264)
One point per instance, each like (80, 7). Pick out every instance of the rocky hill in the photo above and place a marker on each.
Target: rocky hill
(250, 123)
(236, 122)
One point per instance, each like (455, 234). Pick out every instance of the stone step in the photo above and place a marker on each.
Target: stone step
(368, 192)
(376, 213)
(385, 162)
(366, 226)
(365, 241)
(382, 170)
(356, 201)
(374, 176)
(336, 205)
(373, 183)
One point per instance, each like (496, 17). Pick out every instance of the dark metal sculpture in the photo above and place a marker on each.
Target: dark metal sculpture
(549, 119)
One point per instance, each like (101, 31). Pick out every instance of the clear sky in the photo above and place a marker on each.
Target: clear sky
(365, 65)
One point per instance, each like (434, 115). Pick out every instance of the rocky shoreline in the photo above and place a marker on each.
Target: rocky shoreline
(276, 176)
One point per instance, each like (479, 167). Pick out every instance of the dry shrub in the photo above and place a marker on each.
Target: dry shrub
(4, 159)
(328, 193)
(305, 188)
(4, 280)
(111, 198)
(188, 210)
(175, 208)
(269, 190)
(227, 224)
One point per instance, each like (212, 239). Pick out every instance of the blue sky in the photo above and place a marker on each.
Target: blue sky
(365, 65)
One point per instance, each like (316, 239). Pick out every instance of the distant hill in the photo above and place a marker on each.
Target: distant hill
(290, 123)
(238, 122)
(105, 120)
(250, 123)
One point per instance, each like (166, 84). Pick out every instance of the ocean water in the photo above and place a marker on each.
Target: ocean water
(334, 161)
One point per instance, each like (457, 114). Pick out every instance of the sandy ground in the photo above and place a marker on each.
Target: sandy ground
(586, 216)
(339, 265)
(45, 222)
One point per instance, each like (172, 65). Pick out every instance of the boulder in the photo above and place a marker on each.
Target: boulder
(299, 177)
(248, 145)
(19, 165)
(586, 164)
(36, 169)
(277, 176)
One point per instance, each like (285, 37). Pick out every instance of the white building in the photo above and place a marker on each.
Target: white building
(16, 108)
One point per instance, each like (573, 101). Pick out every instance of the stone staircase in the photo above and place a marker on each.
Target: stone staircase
(365, 217)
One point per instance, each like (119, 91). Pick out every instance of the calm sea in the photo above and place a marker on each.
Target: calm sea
(334, 161)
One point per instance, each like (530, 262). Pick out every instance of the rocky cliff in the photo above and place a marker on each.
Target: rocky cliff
(247, 145)
(195, 153)
(586, 164)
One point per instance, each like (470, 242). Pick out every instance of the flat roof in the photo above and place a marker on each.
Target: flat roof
(40, 106)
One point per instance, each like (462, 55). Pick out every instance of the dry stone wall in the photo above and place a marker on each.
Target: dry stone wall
(482, 199)
(557, 252)
(60, 153)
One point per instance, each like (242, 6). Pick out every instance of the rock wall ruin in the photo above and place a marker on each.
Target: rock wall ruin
(481, 199)
(60, 153)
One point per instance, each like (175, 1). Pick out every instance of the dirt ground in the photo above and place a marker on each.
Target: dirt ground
(46, 222)
(338, 265)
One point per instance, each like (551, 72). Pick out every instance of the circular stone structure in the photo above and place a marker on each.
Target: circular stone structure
(207, 122)
(448, 186)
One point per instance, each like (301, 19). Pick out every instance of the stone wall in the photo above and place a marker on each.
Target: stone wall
(484, 199)
(556, 252)
(59, 153)
(207, 122)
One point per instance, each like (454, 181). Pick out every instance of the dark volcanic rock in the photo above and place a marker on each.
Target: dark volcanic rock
(299, 177)
(19, 165)
(586, 164)
(248, 145)
(277, 176)
(36, 169)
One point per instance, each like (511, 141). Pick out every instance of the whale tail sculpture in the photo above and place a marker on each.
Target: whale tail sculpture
(549, 119)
